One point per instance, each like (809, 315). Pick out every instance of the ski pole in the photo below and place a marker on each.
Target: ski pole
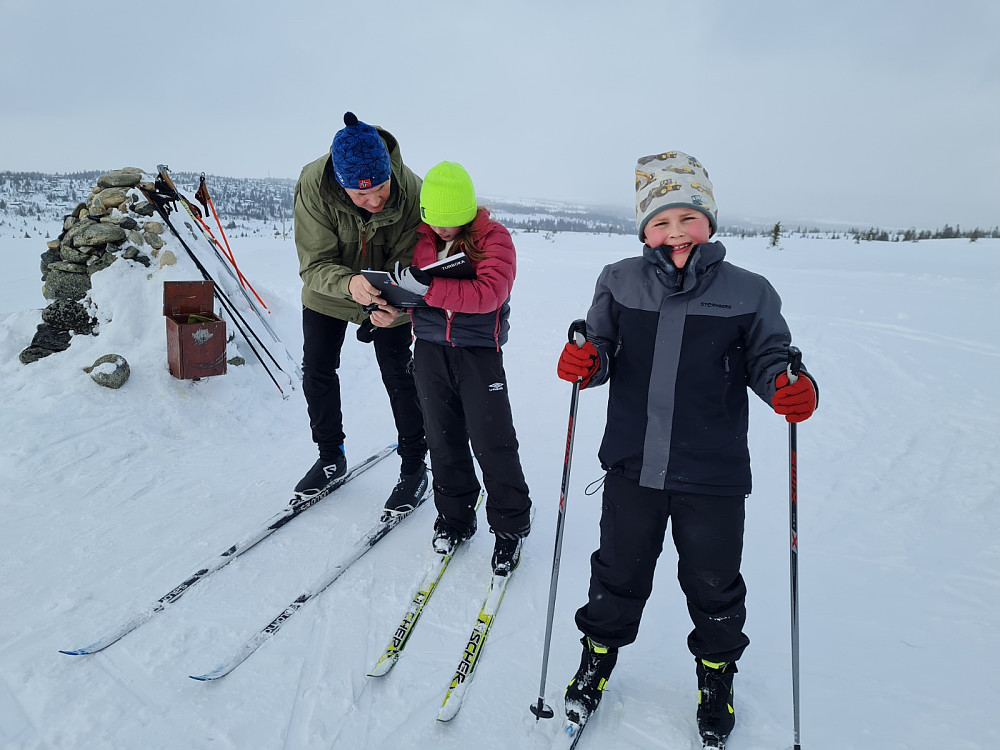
(159, 201)
(578, 336)
(792, 371)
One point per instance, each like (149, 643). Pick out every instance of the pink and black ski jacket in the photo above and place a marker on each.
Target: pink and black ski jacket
(468, 312)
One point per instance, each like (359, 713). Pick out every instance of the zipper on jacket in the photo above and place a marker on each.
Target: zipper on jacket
(725, 363)
(496, 327)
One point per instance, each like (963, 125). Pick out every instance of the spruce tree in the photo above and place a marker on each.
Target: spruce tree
(775, 235)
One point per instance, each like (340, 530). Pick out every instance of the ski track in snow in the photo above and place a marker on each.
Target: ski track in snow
(112, 498)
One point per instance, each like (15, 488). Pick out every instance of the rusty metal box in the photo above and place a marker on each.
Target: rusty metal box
(196, 338)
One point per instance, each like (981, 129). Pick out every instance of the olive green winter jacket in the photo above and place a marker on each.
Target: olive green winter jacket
(334, 242)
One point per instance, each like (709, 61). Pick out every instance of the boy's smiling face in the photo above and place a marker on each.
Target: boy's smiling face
(679, 228)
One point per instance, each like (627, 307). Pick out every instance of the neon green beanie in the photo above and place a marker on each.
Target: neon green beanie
(447, 197)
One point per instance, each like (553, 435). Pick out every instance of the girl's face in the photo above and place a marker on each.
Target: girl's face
(678, 228)
(447, 233)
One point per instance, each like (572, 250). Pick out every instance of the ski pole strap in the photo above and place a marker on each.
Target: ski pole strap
(160, 201)
(201, 194)
(794, 364)
(165, 185)
(578, 332)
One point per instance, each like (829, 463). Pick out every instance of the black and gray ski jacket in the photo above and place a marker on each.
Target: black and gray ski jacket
(680, 348)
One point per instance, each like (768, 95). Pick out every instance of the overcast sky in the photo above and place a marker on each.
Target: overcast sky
(864, 112)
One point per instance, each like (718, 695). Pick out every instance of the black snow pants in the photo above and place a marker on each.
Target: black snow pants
(323, 339)
(708, 535)
(463, 393)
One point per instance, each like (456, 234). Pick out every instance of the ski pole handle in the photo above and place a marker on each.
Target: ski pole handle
(794, 364)
(578, 332)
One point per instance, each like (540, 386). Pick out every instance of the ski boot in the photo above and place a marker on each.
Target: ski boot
(447, 537)
(406, 494)
(716, 717)
(326, 470)
(506, 553)
(587, 686)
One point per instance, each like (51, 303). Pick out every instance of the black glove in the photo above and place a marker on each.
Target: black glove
(366, 332)
(411, 278)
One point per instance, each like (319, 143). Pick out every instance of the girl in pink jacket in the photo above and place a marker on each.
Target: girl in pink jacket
(458, 366)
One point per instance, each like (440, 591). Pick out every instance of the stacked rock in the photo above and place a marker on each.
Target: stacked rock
(114, 222)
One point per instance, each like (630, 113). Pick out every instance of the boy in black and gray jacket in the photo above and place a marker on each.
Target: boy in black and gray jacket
(679, 334)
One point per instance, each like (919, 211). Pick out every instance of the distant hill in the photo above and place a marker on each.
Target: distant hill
(34, 203)
(559, 217)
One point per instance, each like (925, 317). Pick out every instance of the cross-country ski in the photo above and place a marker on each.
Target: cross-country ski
(296, 507)
(367, 540)
(394, 649)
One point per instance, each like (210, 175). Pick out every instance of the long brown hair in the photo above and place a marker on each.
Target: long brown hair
(465, 242)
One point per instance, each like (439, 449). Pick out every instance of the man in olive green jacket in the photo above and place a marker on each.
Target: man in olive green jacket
(357, 207)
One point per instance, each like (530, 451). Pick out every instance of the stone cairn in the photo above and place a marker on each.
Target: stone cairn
(114, 222)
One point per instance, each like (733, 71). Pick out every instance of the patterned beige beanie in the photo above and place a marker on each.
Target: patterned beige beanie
(672, 179)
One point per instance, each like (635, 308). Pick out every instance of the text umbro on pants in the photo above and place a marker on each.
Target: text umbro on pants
(463, 394)
(323, 339)
(708, 535)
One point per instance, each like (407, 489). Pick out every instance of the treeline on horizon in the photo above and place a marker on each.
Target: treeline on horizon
(271, 199)
(871, 234)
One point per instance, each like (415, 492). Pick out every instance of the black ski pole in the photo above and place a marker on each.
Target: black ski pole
(578, 336)
(792, 371)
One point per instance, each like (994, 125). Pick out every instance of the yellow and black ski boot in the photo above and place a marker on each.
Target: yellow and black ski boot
(716, 717)
(587, 686)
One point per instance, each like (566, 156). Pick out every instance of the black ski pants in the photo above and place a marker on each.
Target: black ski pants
(323, 339)
(463, 393)
(708, 535)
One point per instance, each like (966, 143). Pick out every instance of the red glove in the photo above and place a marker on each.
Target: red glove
(797, 401)
(578, 363)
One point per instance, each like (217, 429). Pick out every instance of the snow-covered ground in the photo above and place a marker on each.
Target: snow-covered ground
(110, 498)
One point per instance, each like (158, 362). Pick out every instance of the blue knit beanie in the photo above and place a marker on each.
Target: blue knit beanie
(360, 159)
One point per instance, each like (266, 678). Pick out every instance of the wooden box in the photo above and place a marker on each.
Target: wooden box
(196, 338)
